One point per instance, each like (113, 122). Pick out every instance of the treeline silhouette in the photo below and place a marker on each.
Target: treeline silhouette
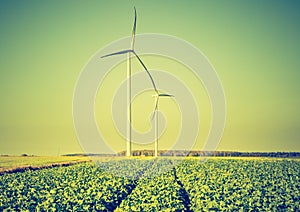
(183, 153)
(213, 153)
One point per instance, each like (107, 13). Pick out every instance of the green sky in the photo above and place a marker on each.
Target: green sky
(253, 45)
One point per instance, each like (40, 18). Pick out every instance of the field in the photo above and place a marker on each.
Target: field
(166, 184)
(18, 163)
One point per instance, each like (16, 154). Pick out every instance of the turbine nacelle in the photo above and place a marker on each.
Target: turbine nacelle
(157, 95)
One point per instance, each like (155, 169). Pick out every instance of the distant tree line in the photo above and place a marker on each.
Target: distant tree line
(213, 153)
(183, 153)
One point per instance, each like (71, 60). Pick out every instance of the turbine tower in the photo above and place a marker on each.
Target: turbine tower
(129, 52)
(155, 113)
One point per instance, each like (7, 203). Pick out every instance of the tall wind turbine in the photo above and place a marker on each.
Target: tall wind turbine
(128, 52)
(155, 113)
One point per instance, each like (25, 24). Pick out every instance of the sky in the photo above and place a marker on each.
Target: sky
(253, 45)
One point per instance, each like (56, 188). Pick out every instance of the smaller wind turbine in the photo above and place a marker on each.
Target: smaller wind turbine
(155, 113)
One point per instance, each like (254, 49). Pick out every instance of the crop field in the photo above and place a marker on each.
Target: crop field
(163, 184)
(12, 163)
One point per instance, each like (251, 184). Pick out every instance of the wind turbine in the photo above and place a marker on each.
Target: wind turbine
(155, 113)
(129, 52)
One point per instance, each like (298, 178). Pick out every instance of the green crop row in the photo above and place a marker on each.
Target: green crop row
(246, 185)
(81, 187)
(157, 190)
(156, 185)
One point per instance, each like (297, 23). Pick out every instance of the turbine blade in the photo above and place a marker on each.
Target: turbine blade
(133, 30)
(165, 94)
(117, 53)
(145, 68)
(155, 109)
